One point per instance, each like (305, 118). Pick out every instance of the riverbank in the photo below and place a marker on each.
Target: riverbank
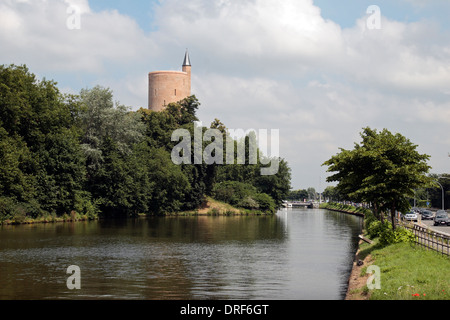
(48, 218)
(210, 207)
(345, 208)
(407, 272)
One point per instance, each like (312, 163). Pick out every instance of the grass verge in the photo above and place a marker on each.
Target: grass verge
(407, 272)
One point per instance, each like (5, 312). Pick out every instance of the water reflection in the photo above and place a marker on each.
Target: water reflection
(296, 254)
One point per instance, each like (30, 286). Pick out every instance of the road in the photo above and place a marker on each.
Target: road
(429, 223)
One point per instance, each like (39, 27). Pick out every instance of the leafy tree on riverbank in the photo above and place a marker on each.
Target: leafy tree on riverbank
(62, 155)
(42, 163)
(243, 195)
(383, 170)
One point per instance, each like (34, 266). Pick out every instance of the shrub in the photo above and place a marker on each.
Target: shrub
(232, 192)
(248, 203)
(389, 236)
(6, 208)
(376, 228)
(243, 195)
(265, 202)
(213, 212)
(404, 235)
(91, 210)
(373, 228)
(369, 217)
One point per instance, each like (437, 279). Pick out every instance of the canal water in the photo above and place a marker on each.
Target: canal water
(297, 254)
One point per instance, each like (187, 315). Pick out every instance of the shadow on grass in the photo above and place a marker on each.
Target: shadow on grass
(366, 249)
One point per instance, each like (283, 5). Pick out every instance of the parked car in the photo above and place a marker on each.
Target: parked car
(427, 215)
(441, 218)
(415, 209)
(411, 216)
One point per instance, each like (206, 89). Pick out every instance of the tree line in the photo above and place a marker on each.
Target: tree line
(86, 154)
(384, 170)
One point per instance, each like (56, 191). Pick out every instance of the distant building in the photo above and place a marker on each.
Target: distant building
(165, 87)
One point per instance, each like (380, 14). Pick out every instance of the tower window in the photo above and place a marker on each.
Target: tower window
(175, 92)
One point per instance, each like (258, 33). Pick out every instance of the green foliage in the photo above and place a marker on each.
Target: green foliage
(384, 170)
(434, 192)
(243, 195)
(248, 203)
(73, 157)
(403, 235)
(278, 185)
(388, 236)
(41, 163)
(265, 202)
(233, 192)
(375, 228)
(333, 194)
(297, 195)
(7, 206)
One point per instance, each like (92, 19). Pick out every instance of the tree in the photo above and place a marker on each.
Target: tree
(85, 152)
(297, 195)
(312, 194)
(101, 119)
(15, 157)
(42, 166)
(332, 194)
(383, 170)
(244, 195)
(278, 185)
(63, 178)
(435, 191)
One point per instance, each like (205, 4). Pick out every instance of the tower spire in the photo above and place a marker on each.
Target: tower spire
(187, 61)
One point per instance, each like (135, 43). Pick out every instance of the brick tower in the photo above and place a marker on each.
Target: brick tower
(165, 87)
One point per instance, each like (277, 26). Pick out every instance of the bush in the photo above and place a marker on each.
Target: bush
(265, 202)
(213, 212)
(369, 218)
(389, 236)
(374, 229)
(404, 235)
(232, 192)
(243, 195)
(248, 203)
(7, 206)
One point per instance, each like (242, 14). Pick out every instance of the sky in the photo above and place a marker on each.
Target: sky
(318, 71)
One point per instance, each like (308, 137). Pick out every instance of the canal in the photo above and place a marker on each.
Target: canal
(296, 254)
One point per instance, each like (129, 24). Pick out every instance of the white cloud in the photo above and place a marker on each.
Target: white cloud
(36, 33)
(256, 64)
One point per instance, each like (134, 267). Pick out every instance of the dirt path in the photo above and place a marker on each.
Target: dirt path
(357, 282)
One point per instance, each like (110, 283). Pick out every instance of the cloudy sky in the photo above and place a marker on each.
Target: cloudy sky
(319, 71)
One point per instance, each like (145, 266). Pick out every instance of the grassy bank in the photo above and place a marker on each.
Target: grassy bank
(212, 207)
(407, 272)
(344, 208)
(47, 218)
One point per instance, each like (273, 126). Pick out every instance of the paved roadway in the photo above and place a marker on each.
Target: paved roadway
(429, 223)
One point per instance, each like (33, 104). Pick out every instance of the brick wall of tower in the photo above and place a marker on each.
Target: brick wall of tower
(165, 87)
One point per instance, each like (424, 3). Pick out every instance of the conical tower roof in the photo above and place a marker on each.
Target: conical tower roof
(187, 61)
